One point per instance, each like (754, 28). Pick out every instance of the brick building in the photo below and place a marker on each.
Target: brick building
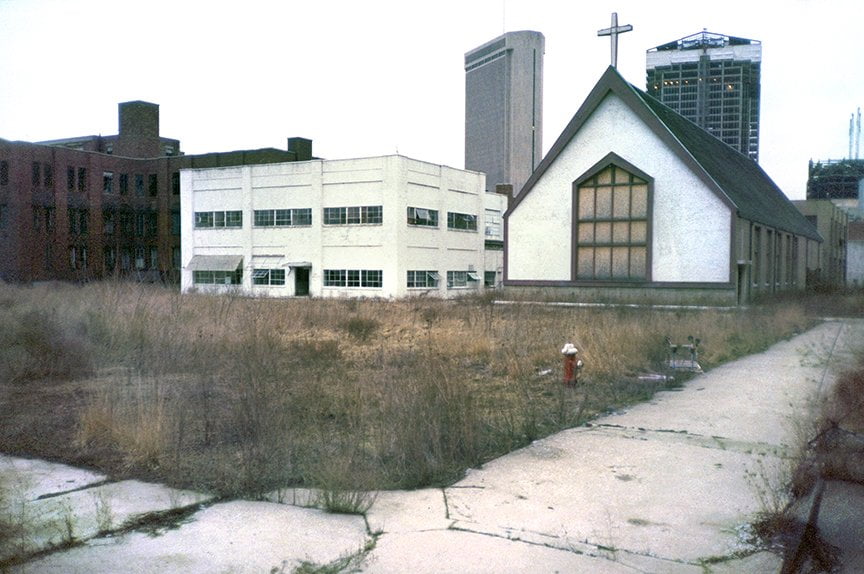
(95, 206)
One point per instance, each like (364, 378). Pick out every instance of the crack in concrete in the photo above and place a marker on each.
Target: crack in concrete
(695, 439)
(446, 504)
(48, 495)
(591, 549)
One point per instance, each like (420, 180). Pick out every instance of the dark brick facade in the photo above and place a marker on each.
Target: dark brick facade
(79, 209)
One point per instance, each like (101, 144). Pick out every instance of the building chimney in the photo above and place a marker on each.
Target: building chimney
(301, 147)
(505, 189)
(139, 130)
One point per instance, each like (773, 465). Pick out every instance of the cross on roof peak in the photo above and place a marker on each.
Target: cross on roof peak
(613, 32)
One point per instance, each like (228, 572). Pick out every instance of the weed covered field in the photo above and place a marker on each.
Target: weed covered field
(241, 396)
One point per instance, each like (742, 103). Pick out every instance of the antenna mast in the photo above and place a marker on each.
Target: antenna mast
(858, 135)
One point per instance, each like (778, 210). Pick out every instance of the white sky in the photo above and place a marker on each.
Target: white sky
(380, 76)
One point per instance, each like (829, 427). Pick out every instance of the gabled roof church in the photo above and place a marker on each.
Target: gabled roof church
(635, 203)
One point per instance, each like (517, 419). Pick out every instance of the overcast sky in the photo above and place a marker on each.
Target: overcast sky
(380, 76)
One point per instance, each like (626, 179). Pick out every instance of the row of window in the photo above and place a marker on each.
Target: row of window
(767, 265)
(426, 279)
(353, 278)
(139, 223)
(217, 277)
(368, 278)
(138, 258)
(130, 258)
(108, 186)
(282, 217)
(42, 175)
(218, 219)
(360, 215)
(367, 214)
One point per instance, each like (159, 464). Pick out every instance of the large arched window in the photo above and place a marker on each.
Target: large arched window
(612, 225)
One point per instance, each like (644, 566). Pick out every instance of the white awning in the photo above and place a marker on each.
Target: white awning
(215, 262)
(473, 276)
(297, 264)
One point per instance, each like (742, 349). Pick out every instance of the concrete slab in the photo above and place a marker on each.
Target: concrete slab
(755, 400)
(238, 537)
(409, 511)
(587, 490)
(455, 552)
(57, 505)
(30, 479)
(83, 514)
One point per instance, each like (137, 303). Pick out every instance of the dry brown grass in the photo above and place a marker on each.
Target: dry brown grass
(243, 395)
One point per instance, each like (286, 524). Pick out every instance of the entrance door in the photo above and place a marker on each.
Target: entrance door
(301, 281)
(743, 284)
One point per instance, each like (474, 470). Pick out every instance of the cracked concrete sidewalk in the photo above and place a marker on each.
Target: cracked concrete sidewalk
(669, 486)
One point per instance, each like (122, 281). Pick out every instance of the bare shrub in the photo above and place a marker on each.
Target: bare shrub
(35, 345)
(845, 405)
(427, 426)
(132, 417)
(360, 328)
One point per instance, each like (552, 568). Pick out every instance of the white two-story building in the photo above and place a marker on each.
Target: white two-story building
(385, 226)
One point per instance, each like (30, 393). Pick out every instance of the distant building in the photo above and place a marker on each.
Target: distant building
(95, 206)
(634, 203)
(714, 81)
(504, 108)
(832, 222)
(370, 227)
(840, 180)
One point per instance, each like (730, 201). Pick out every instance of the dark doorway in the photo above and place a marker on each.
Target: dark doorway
(301, 281)
(743, 284)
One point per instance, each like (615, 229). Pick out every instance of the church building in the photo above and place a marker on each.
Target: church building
(634, 203)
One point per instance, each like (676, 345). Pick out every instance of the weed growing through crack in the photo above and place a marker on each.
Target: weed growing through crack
(66, 524)
(351, 562)
(770, 481)
(17, 518)
(104, 513)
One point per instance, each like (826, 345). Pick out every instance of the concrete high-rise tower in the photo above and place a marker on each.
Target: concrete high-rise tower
(712, 80)
(504, 108)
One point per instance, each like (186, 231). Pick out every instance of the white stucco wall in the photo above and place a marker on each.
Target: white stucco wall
(855, 263)
(691, 226)
(394, 247)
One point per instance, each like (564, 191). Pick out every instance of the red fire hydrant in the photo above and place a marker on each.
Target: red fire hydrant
(572, 364)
